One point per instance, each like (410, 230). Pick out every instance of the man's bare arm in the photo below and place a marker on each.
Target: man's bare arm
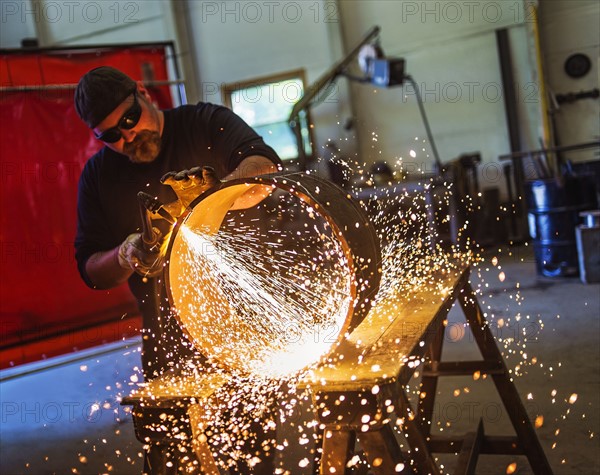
(252, 166)
(104, 270)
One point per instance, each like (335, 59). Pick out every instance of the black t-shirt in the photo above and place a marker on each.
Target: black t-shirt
(108, 209)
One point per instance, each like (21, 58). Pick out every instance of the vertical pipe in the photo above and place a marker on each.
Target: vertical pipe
(548, 138)
(508, 86)
(512, 120)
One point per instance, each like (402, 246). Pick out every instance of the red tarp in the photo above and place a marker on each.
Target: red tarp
(43, 147)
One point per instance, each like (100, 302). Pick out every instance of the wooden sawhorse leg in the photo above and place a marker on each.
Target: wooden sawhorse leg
(382, 451)
(200, 445)
(526, 441)
(508, 392)
(376, 369)
(338, 446)
(416, 438)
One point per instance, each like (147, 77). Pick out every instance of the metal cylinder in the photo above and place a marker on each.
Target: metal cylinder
(554, 207)
(275, 307)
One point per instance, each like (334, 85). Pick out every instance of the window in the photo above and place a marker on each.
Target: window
(265, 104)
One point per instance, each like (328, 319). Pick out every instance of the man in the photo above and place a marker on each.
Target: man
(142, 145)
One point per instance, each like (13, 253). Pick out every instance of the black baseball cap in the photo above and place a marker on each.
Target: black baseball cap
(99, 92)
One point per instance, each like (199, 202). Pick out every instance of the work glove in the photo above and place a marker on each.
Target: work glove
(134, 254)
(188, 185)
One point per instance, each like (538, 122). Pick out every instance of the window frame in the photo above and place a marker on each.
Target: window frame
(227, 90)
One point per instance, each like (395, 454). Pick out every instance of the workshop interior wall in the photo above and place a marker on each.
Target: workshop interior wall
(451, 52)
(105, 22)
(238, 41)
(15, 26)
(567, 28)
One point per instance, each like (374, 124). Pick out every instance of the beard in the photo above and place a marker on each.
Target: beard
(144, 148)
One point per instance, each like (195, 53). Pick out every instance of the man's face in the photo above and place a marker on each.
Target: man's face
(137, 126)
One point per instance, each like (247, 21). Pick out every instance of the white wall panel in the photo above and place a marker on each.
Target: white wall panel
(567, 28)
(463, 99)
(61, 23)
(241, 40)
(15, 23)
(413, 25)
(237, 40)
(451, 51)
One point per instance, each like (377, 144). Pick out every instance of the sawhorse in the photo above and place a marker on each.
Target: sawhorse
(168, 419)
(363, 388)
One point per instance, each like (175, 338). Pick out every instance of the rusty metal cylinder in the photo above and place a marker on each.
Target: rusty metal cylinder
(274, 302)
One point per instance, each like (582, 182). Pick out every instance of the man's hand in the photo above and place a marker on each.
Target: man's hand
(189, 184)
(133, 254)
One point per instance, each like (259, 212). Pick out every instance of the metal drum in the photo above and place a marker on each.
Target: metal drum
(553, 214)
(270, 291)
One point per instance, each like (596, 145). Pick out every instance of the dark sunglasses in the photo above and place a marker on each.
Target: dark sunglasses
(128, 121)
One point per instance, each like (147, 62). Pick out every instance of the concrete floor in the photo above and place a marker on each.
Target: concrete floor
(560, 327)
(66, 418)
